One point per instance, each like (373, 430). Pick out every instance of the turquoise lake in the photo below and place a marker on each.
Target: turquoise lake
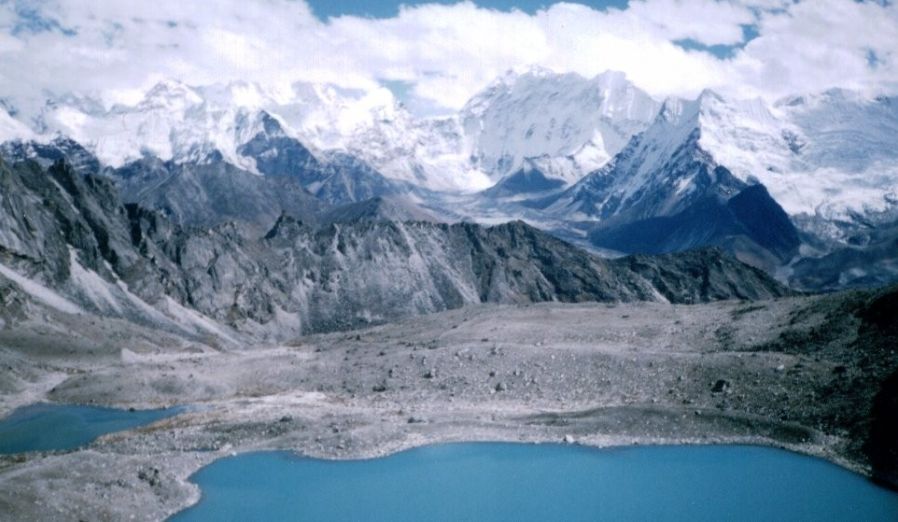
(44, 427)
(524, 482)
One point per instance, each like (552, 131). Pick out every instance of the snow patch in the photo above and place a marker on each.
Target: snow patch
(190, 318)
(40, 292)
(91, 287)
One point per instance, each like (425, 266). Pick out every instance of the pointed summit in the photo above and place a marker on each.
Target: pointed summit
(170, 95)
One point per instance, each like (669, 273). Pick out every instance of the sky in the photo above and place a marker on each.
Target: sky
(325, 9)
(436, 56)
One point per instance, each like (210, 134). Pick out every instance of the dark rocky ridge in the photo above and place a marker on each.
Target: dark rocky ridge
(300, 278)
(379, 208)
(60, 148)
(750, 222)
(870, 263)
(336, 178)
(213, 192)
(525, 181)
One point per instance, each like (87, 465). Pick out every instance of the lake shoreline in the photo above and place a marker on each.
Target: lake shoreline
(597, 375)
(486, 480)
(177, 467)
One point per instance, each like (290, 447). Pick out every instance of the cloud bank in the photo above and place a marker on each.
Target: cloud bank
(443, 54)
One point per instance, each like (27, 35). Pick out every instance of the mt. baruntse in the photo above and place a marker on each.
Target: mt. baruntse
(804, 188)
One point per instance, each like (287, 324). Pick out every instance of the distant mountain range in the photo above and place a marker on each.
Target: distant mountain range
(805, 188)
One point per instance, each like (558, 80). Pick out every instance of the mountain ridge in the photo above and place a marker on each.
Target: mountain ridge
(123, 261)
(528, 146)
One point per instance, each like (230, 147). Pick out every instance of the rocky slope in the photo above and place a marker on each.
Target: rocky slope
(813, 374)
(213, 192)
(71, 234)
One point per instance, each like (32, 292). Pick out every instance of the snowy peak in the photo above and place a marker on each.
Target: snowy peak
(571, 124)
(829, 160)
(538, 113)
(826, 156)
(173, 122)
(623, 101)
(661, 171)
(169, 95)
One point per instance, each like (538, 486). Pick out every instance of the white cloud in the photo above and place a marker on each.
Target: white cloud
(445, 52)
(822, 44)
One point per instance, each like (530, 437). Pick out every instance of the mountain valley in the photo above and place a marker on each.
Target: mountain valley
(565, 259)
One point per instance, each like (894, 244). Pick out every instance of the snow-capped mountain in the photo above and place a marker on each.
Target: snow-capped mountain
(374, 127)
(563, 124)
(595, 159)
(831, 157)
(660, 172)
(183, 123)
(173, 121)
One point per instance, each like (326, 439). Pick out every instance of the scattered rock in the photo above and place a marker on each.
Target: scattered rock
(721, 386)
(501, 387)
(150, 476)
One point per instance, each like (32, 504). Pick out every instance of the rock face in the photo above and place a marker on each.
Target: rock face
(868, 262)
(74, 236)
(337, 177)
(378, 209)
(881, 317)
(750, 223)
(82, 160)
(213, 192)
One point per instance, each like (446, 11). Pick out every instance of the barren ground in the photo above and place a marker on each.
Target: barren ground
(796, 373)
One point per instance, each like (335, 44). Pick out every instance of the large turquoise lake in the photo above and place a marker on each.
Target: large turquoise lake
(44, 427)
(523, 482)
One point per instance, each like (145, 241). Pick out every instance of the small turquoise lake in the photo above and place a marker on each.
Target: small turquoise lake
(45, 427)
(526, 482)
